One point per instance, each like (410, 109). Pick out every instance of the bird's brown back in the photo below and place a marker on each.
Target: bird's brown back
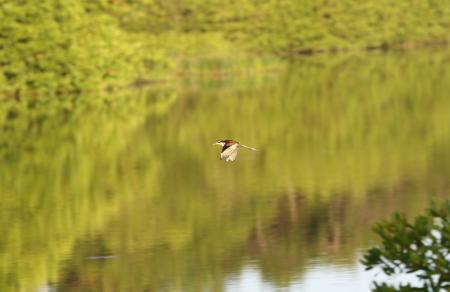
(228, 143)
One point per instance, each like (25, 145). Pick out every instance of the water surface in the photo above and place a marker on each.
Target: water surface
(125, 192)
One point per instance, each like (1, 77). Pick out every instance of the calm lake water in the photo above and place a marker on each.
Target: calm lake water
(126, 192)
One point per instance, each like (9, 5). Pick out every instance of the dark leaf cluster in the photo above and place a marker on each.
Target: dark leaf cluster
(420, 247)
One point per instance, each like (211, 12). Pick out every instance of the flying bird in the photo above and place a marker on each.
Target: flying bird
(230, 149)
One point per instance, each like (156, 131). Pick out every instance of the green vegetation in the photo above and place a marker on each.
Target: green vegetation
(421, 247)
(54, 46)
(133, 173)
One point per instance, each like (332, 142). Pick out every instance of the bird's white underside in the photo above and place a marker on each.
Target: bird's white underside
(230, 153)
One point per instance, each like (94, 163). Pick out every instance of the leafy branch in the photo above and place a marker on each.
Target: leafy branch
(421, 247)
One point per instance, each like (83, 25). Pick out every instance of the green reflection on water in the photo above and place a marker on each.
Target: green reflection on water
(343, 141)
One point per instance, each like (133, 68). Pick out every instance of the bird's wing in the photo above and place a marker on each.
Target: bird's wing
(230, 153)
(248, 147)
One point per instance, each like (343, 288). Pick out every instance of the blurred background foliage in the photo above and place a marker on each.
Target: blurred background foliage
(51, 46)
(343, 140)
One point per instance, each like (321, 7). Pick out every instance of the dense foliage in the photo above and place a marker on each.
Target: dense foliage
(421, 248)
(61, 46)
(49, 46)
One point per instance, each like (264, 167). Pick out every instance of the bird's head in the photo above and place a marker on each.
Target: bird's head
(226, 142)
(220, 142)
